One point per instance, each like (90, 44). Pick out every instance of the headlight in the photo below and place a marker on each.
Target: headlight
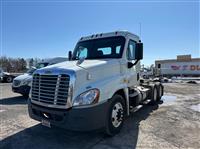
(88, 97)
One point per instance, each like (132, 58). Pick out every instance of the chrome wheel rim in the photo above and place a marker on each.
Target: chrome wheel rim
(117, 114)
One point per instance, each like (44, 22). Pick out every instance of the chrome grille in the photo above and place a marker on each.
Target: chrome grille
(50, 89)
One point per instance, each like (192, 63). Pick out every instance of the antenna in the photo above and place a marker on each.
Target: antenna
(140, 24)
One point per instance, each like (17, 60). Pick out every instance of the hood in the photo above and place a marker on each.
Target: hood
(6, 73)
(96, 68)
(25, 76)
(86, 65)
(71, 65)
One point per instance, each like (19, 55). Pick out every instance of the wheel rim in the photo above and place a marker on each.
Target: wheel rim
(155, 94)
(117, 114)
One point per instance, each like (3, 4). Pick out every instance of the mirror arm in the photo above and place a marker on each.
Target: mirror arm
(130, 65)
(136, 62)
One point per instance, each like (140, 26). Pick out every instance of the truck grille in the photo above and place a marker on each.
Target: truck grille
(50, 89)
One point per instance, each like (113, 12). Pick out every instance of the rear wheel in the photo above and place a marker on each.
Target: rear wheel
(154, 96)
(160, 92)
(115, 116)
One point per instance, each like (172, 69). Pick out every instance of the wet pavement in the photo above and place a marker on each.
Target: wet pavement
(172, 124)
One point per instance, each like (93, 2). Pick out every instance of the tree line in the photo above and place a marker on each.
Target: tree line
(17, 65)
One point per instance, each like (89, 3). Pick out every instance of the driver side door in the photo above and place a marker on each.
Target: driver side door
(132, 75)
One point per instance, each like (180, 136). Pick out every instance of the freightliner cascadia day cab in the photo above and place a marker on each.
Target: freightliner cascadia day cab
(97, 88)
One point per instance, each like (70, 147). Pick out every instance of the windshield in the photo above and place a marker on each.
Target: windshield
(111, 47)
(30, 71)
(39, 65)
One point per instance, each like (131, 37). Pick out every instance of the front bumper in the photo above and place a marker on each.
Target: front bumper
(77, 119)
(24, 90)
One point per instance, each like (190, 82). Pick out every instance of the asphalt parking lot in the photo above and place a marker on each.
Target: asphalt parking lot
(173, 123)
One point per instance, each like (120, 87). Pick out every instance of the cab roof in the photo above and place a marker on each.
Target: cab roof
(110, 34)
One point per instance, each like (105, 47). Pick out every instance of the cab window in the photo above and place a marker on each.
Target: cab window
(82, 52)
(131, 50)
(105, 51)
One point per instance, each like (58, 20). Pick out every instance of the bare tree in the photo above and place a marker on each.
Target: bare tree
(12, 64)
(31, 63)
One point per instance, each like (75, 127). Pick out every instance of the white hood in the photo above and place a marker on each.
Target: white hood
(72, 64)
(98, 69)
(90, 66)
(23, 77)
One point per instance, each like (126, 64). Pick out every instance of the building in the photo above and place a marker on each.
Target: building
(184, 65)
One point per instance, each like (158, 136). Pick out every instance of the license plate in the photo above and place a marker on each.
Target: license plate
(46, 123)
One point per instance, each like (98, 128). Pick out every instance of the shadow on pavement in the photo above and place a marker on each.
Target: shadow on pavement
(40, 137)
(13, 100)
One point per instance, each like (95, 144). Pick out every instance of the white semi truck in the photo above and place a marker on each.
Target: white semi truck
(97, 88)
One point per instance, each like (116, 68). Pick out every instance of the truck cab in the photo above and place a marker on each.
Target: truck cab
(96, 88)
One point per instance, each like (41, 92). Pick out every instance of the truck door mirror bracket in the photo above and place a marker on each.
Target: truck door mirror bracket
(130, 64)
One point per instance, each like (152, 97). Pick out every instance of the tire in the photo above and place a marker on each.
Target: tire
(116, 114)
(160, 92)
(25, 95)
(154, 95)
(9, 79)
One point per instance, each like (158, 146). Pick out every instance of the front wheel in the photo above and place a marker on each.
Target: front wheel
(115, 118)
(9, 79)
(25, 96)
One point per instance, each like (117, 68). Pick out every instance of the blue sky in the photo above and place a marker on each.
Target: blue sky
(48, 28)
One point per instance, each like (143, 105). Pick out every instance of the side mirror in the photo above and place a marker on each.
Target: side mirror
(139, 51)
(70, 55)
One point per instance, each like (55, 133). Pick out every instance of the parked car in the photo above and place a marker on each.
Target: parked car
(5, 76)
(22, 83)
